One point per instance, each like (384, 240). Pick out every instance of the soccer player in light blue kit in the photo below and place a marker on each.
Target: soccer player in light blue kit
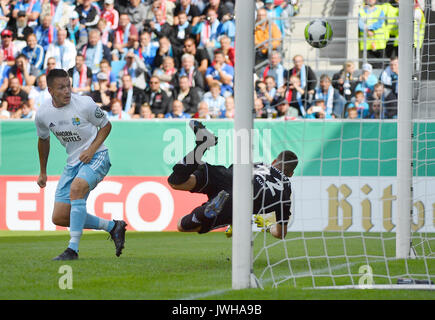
(81, 127)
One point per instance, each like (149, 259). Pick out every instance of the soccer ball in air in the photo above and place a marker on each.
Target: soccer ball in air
(318, 33)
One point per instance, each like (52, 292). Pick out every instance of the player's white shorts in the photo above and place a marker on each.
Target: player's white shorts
(93, 172)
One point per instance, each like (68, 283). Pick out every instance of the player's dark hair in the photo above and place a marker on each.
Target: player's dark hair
(287, 161)
(55, 74)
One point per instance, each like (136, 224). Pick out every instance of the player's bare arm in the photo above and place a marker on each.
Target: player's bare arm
(43, 151)
(86, 155)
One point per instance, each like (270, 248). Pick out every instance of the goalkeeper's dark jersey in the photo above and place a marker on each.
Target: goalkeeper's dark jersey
(272, 192)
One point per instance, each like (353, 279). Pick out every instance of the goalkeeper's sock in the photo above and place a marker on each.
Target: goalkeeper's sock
(77, 222)
(96, 223)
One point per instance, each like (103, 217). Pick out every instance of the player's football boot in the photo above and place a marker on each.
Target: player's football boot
(229, 231)
(202, 134)
(216, 205)
(118, 235)
(68, 254)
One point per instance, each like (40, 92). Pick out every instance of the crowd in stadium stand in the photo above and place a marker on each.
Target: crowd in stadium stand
(175, 59)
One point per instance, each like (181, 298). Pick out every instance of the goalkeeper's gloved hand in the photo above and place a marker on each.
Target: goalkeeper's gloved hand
(262, 223)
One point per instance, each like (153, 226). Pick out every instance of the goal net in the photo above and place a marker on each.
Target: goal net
(345, 207)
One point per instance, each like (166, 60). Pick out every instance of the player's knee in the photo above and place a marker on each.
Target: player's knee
(59, 220)
(79, 189)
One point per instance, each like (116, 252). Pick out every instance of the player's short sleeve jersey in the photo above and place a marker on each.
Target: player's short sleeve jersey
(75, 125)
(272, 192)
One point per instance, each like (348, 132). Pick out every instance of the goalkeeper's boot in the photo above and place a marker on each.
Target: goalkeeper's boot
(216, 205)
(118, 235)
(68, 254)
(202, 134)
(229, 231)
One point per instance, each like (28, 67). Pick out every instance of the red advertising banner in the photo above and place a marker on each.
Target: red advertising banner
(145, 203)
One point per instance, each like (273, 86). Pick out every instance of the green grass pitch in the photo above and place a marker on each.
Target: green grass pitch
(166, 266)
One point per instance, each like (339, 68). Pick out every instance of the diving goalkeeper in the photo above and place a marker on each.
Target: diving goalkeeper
(272, 188)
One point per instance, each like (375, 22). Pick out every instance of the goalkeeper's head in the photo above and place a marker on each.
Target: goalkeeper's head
(286, 162)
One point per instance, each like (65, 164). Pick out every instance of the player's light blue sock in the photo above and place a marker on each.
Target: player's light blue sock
(94, 222)
(77, 222)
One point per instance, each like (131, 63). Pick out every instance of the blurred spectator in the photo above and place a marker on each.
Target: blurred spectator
(227, 27)
(391, 11)
(352, 113)
(266, 90)
(131, 97)
(259, 110)
(207, 32)
(264, 33)
(388, 100)
(110, 14)
(95, 51)
(51, 64)
(77, 33)
(215, 100)
(146, 50)
(21, 27)
(145, 112)
(193, 13)
(366, 81)
(177, 111)
(81, 76)
(5, 114)
(390, 76)
(166, 73)
(135, 67)
(39, 93)
(125, 37)
(25, 111)
(136, 11)
(106, 33)
(288, 9)
(372, 23)
(166, 6)
(180, 31)
(112, 77)
(345, 81)
(376, 110)
(4, 74)
(360, 104)
(157, 98)
(188, 69)
(202, 112)
(221, 72)
(46, 34)
(5, 12)
(296, 96)
(274, 69)
(60, 12)
(62, 50)
(116, 112)
(305, 73)
(10, 50)
(285, 111)
(158, 25)
(165, 49)
(228, 50)
(318, 110)
(34, 52)
(187, 95)
(25, 72)
(228, 113)
(201, 56)
(14, 97)
(219, 6)
(88, 14)
(31, 10)
(334, 102)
